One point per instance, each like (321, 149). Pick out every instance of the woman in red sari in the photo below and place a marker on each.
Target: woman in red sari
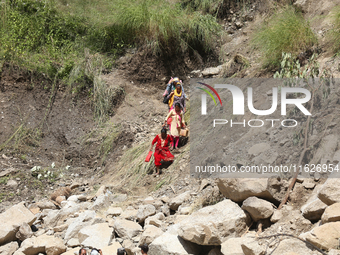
(162, 151)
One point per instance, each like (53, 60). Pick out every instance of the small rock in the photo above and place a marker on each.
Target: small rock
(114, 211)
(238, 24)
(180, 199)
(331, 213)
(258, 208)
(277, 215)
(126, 228)
(24, 232)
(150, 233)
(12, 184)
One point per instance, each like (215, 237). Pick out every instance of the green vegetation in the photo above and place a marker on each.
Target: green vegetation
(72, 42)
(4, 180)
(335, 32)
(164, 26)
(51, 37)
(285, 31)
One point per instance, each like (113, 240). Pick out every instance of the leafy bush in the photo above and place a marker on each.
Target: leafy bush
(286, 31)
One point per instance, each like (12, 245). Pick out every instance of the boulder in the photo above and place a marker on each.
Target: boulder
(232, 246)
(212, 225)
(114, 211)
(277, 215)
(258, 208)
(24, 232)
(151, 233)
(314, 207)
(101, 191)
(170, 243)
(127, 228)
(73, 242)
(73, 198)
(334, 252)
(329, 192)
(112, 249)
(60, 228)
(165, 209)
(302, 5)
(46, 204)
(156, 220)
(94, 236)
(287, 246)
(57, 217)
(178, 200)
(9, 249)
(128, 246)
(325, 236)
(101, 202)
(12, 219)
(239, 189)
(145, 211)
(277, 187)
(251, 247)
(83, 220)
(210, 71)
(331, 214)
(43, 244)
(130, 213)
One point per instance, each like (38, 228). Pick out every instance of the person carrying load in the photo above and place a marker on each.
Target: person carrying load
(171, 86)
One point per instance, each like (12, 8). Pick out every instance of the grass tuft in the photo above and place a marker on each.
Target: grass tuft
(164, 26)
(335, 32)
(286, 31)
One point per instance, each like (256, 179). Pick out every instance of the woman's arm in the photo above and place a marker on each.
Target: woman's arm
(168, 116)
(153, 142)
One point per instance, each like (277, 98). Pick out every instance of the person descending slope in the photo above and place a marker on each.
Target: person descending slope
(177, 96)
(162, 149)
(171, 86)
(177, 123)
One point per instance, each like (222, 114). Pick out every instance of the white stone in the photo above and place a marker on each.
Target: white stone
(258, 208)
(170, 243)
(12, 219)
(94, 236)
(212, 225)
(127, 228)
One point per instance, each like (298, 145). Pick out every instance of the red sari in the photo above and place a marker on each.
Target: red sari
(162, 149)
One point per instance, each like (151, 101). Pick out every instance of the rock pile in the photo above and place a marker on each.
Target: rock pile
(180, 223)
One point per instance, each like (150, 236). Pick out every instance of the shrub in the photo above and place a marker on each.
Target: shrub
(286, 31)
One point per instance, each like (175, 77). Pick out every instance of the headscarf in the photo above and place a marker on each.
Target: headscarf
(171, 100)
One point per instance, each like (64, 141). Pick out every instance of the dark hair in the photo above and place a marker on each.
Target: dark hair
(179, 105)
(121, 251)
(144, 247)
(163, 130)
(81, 250)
